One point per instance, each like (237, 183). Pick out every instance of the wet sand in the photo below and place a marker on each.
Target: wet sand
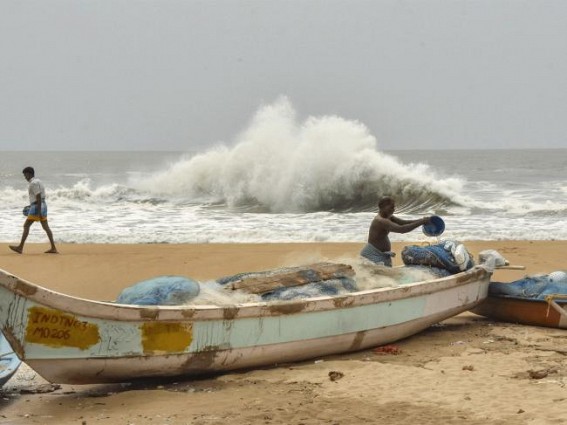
(467, 369)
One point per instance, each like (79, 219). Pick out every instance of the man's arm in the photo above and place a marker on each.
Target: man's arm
(400, 221)
(404, 226)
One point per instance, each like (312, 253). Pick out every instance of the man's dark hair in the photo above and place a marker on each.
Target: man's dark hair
(29, 170)
(385, 201)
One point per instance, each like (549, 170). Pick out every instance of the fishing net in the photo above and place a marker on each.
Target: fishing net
(533, 287)
(448, 255)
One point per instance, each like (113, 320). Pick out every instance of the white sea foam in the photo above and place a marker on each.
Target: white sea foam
(285, 165)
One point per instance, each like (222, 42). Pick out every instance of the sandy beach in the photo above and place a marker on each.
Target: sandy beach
(467, 369)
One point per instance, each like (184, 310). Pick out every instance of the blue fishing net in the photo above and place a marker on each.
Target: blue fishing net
(436, 256)
(161, 290)
(532, 287)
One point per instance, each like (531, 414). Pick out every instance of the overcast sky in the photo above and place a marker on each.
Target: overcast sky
(180, 74)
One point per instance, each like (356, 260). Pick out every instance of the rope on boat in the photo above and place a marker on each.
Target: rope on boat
(550, 300)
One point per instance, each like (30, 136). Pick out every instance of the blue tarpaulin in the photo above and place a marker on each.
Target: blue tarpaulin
(438, 256)
(161, 290)
(533, 287)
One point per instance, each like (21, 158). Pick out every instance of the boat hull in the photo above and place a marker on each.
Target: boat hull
(524, 311)
(77, 341)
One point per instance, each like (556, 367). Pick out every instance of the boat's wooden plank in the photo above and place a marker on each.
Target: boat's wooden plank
(295, 276)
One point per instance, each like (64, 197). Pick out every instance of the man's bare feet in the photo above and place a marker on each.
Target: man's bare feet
(16, 249)
(52, 251)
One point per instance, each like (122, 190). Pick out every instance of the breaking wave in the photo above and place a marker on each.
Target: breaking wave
(283, 165)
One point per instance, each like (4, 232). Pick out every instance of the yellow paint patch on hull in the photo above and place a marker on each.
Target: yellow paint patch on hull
(57, 329)
(166, 337)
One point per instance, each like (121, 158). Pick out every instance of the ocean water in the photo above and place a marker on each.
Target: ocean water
(282, 180)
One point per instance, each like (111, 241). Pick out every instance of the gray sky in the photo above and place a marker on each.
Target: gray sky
(181, 74)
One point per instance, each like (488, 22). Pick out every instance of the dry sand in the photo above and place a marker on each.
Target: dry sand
(466, 370)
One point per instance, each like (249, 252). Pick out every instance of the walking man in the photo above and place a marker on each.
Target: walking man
(37, 211)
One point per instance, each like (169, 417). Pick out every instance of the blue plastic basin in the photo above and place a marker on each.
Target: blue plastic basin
(435, 227)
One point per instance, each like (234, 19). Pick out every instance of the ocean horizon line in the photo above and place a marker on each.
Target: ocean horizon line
(200, 148)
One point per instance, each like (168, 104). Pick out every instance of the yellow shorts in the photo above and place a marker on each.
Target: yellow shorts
(32, 214)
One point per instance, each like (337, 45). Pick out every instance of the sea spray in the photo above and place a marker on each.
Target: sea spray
(283, 165)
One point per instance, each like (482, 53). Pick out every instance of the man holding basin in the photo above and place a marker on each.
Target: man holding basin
(379, 249)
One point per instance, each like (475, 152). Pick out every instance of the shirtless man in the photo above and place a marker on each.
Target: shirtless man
(378, 248)
(37, 211)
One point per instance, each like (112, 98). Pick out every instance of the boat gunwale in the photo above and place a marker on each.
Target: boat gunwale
(123, 312)
(531, 300)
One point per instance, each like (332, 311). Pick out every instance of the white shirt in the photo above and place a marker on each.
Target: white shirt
(35, 187)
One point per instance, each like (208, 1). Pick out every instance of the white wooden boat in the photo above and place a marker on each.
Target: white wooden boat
(78, 341)
(9, 361)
